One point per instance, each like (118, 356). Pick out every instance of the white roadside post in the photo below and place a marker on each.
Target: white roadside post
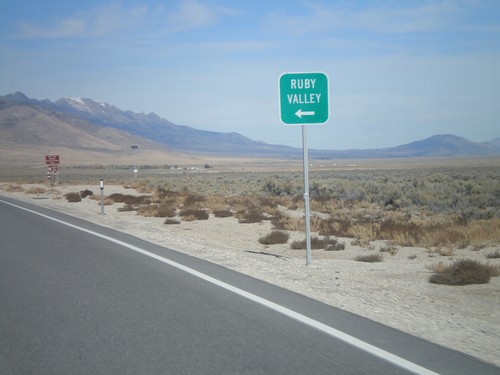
(304, 100)
(101, 186)
(135, 147)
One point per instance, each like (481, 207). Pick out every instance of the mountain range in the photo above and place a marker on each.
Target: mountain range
(87, 126)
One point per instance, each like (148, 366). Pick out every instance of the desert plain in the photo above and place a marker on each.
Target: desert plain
(459, 197)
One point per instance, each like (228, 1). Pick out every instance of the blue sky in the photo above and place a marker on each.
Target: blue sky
(398, 71)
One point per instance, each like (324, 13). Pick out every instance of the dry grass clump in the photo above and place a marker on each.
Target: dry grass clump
(166, 209)
(405, 230)
(12, 188)
(73, 197)
(149, 210)
(463, 272)
(36, 190)
(369, 258)
(275, 237)
(143, 188)
(161, 194)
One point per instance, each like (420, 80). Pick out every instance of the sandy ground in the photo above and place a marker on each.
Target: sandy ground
(395, 292)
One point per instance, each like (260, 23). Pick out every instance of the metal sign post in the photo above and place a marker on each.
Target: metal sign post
(306, 196)
(304, 99)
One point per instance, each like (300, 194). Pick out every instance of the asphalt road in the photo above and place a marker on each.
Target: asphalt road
(76, 298)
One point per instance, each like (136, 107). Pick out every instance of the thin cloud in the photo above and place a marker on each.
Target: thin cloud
(317, 18)
(100, 21)
(190, 15)
(114, 17)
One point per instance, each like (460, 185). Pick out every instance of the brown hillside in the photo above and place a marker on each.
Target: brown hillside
(27, 134)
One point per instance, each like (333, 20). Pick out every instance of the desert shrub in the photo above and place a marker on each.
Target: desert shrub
(316, 243)
(86, 193)
(335, 245)
(273, 188)
(370, 258)
(463, 272)
(223, 213)
(253, 214)
(130, 199)
(171, 221)
(194, 214)
(275, 237)
(73, 197)
(494, 255)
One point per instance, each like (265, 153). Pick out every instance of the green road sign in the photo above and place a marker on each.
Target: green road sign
(304, 98)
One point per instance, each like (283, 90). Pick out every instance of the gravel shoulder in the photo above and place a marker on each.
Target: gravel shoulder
(394, 292)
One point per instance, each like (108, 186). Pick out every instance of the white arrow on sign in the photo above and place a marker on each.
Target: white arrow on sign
(301, 113)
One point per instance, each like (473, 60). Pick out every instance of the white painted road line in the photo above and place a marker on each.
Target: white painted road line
(389, 357)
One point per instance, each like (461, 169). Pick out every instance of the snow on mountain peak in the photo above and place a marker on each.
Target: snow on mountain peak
(85, 105)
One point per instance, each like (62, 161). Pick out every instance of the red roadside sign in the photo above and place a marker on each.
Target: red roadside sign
(51, 159)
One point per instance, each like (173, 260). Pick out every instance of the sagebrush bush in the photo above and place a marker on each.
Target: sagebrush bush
(275, 237)
(73, 197)
(316, 243)
(86, 193)
(464, 272)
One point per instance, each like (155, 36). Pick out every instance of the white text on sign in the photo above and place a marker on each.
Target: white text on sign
(300, 84)
(303, 83)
